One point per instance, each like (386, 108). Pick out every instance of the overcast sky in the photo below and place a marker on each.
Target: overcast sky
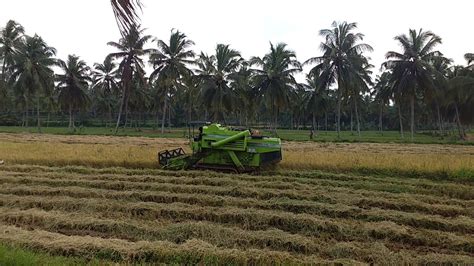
(84, 27)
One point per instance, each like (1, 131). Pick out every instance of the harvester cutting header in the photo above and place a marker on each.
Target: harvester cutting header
(224, 148)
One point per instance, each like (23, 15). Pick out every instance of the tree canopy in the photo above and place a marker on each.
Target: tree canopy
(340, 85)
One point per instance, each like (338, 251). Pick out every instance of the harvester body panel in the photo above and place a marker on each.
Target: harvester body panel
(230, 149)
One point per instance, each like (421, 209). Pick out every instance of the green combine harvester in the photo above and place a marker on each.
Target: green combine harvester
(224, 149)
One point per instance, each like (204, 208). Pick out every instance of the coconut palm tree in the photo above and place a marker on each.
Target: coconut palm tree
(32, 73)
(4, 97)
(131, 49)
(215, 72)
(469, 57)
(341, 59)
(460, 95)
(299, 98)
(275, 80)
(171, 63)
(246, 95)
(140, 98)
(190, 92)
(412, 72)
(10, 40)
(435, 95)
(319, 99)
(104, 76)
(105, 87)
(72, 86)
(383, 94)
(360, 81)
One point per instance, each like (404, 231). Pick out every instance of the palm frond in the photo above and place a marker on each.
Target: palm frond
(126, 13)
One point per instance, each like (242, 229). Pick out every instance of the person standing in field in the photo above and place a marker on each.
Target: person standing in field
(311, 134)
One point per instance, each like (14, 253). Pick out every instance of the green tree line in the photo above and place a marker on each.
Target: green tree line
(418, 87)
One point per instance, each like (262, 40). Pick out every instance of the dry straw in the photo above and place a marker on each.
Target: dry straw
(443, 161)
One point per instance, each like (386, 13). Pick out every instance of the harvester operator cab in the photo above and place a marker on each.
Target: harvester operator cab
(255, 134)
(191, 130)
(199, 136)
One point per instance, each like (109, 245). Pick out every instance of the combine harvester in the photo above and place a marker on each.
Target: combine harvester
(224, 149)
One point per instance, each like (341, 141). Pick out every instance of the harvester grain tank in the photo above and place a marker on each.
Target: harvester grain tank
(224, 148)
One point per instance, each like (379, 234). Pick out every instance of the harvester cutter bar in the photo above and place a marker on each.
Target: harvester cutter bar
(166, 155)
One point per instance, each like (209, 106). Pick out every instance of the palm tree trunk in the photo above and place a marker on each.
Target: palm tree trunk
(381, 118)
(22, 119)
(120, 110)
(276, 123)
(163, 118)
(3, 70)
(138, 120)
(357, 118)
(239, 118)
(169, 118)
(38, 113)
(130, 121)
(303, 120)
(188, 119)
(70, 116)
(109, 118)
(126, 79)
(313, 122)
(412, 116)
(400, 119)
(326, 122)
(224, 118)
(73, 121)
(292, 122)
(48, 118)
(157, 120)
(276, 120)
(440, 126)
(26, 112)
(352, 123)
(462, 134)
(126, 115)
(338, 123)
(189, 113)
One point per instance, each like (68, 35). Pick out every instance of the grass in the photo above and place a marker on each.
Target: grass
(11, 255)
(293, 217)
(285, 134)
(74, 200)
(99, 131)
(192, 251)
(369, 136)
(389, 159)
(432, 161)
(294, 206)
